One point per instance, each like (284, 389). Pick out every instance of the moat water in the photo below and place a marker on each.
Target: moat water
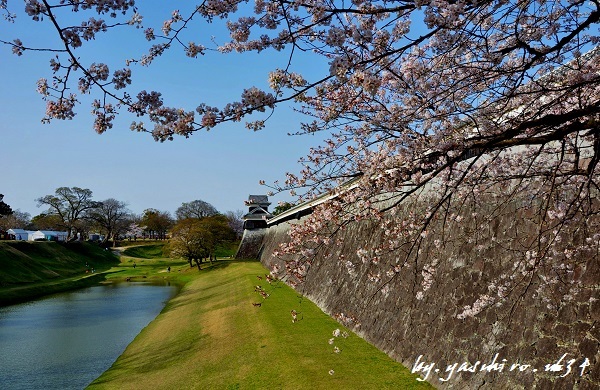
(67, 340)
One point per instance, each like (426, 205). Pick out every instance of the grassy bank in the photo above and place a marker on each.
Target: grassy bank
(211, 336)
(150, 251)
(33, 269)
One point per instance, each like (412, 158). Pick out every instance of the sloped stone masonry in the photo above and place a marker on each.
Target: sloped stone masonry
(534, 327)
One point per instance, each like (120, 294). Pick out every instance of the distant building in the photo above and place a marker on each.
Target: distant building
(95, 237)
(30, 235)
(258, 212)
(49, 235)
(20, 234)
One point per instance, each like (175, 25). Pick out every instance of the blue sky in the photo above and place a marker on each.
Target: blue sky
(222, 166)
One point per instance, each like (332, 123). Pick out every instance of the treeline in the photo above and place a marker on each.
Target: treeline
(73, 209)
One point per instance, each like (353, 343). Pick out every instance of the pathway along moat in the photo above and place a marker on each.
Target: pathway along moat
(67, 340)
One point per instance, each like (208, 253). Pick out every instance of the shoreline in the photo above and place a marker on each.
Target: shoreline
(218, 332)
(20, 294)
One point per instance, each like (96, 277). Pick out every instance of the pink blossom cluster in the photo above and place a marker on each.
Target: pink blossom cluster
(415, 84)
(6, 14)
(104, 115)
(104, 6)
(91, 27)
(442, 118)
(18, 47)
(35, 8)
(480, 304)
(122, 78)
(193, 50)
(61, 108)
(254, 98)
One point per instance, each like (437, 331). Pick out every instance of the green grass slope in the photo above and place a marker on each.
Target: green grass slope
(31, 269)
(211, 336)
(151, 251)
(161, 249)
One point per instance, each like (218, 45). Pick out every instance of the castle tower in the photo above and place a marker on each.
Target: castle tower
(258, 212)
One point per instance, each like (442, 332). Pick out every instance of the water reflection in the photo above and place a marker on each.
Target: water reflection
(67, 340)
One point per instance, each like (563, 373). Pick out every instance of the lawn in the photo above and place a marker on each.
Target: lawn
(158, 249)
(150, 251)
(211, 336)
(32, 269)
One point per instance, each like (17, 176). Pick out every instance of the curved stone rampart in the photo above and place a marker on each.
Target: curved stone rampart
(515, 342)
(250, 246)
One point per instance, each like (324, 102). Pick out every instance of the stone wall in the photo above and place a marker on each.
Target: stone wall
(539, 322)
(251, 244)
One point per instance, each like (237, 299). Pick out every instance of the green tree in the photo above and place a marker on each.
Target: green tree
(221, 231)
(157, 223)
(45, 221)
(70, 204)
(194, 239)
(4, 208)
(281, 207)
(191, 241)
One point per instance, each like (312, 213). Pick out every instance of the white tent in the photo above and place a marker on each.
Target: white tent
(49, 235)
(20, 234)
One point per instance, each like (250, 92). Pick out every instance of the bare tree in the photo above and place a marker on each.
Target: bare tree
(236, 222)
(70, 204)
(18, 219)
(195, 209)
(112, 216)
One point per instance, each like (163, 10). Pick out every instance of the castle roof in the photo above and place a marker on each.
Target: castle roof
(258, 199)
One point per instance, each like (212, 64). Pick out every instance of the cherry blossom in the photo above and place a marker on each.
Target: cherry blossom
(442, 118)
